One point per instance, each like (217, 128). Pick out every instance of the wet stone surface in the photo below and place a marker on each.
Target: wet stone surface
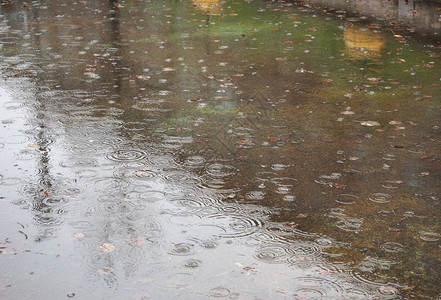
(218, 149)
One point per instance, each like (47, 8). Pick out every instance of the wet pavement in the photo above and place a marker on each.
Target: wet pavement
(219, 149)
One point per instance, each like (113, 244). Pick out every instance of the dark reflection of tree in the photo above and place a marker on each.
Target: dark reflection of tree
(115, 38)
(44, 213)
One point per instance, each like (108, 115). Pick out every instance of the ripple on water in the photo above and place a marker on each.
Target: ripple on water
(350, 224)
(429, 236)
(82, 225)
(112, 141)
(255, 195)
(380, 198)
(279, 167)
(135, 126)
(182, 249)
(83, 162)
(346, 199)
(265, 175)
(238, 225)
(87, 173)
(194, 161)
(392, 247)
(222, 292)
(192, 263)
(373, 264)
(109, 184)
(145, 174)
(317, 288)
(115, 209)
(220, 170)
(194, 203)
(276, 253)
(125, 155)
(181, 177)
(150, 196)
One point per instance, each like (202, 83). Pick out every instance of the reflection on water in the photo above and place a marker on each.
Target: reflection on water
(420, 15)
(361, 43)
(209, 6)
(206, 149)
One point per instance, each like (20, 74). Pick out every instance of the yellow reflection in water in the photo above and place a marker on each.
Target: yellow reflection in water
(209, 6)
(362, 43)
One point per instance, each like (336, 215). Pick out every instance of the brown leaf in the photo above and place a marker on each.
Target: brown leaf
(292, 225)
(107, 247)
(78, 235)
(105, 270)
(370, 123)
(347, 112)
(302, 216)
(395, 123)
(338, 185)
(4, 287)
(138, 241)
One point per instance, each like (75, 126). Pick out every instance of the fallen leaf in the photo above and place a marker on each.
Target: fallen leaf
(302, 216)
(338, 185)
(370, 123)
(4, 287)
(292, 225)
(395, 123)
(168, 69)
(394, 229)
(105, 270)
(273, 138)
(78, 235)
(138, 241)
(107, 247)
(347, 112)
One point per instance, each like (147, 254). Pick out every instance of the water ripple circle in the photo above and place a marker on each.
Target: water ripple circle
(125, 155)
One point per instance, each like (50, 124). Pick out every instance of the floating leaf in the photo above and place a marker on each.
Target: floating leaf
(347, 112)
(292, 225)
(105, 270)
(370, 123)
(4, 287)
(395, 123)
(107, 247)
(138, 241)
(302, 216)
(78, 235)
(273, 138)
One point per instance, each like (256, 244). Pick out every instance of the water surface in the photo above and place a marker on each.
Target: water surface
(217, 149)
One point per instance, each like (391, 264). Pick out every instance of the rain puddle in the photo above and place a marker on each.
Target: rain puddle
(219, 149)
